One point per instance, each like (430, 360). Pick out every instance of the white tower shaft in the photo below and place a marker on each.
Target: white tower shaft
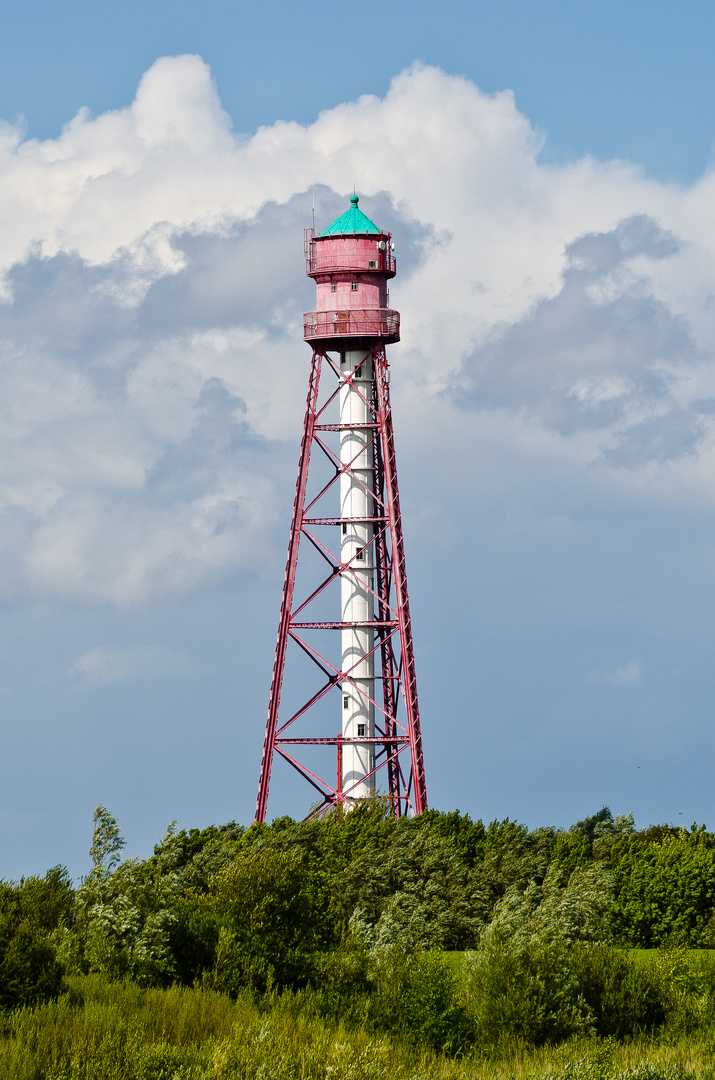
(357, 582)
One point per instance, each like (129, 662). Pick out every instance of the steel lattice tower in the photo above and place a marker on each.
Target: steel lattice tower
(348, 424)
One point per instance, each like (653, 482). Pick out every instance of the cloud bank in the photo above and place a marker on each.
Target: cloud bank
(151, 365)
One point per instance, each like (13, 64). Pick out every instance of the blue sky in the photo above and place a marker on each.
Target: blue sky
(545, 168)
(611, 79)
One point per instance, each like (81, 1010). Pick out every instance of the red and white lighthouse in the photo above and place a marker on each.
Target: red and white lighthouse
(352, 521)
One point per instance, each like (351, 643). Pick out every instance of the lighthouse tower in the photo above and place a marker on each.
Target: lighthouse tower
(353, 522)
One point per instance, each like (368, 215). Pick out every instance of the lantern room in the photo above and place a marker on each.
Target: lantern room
(351, 262)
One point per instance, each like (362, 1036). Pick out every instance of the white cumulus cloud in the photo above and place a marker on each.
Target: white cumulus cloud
(151, 365)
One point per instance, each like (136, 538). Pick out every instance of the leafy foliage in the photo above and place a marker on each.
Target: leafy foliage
(417, 892)
(264, 908)
(350, 918)
(124, 916)
(31, 912)
(665, 889)
(417, 996)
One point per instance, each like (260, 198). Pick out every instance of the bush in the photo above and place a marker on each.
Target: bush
(343, 983)
(624, 996)
(687, 984)
(192, 940)
(524, 990)
(29, 970)
(416, 892)
(666, 889)
(30, 912)
(267, 931)
(418, 997)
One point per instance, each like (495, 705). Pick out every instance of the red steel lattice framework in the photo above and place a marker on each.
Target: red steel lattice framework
(397, 738)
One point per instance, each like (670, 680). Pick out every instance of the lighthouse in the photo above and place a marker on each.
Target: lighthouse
(353, 521)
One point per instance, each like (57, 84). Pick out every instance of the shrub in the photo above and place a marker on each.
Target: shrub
(417, 996)
(418, 891)
(343, 983)
(524, 990)
(666, 889)
(29, 970)
(30, 912)
(124, 914)
(624, 996)
(264, 909)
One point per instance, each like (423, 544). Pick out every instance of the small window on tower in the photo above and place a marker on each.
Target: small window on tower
(372, 264)
(346, 702)
(358, 372)
(359, 553)
(361, 731)
(345, 528)
(342, 357)
(332, 286)
(354, 286)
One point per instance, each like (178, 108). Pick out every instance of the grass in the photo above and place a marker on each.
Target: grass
(103, 1031)
(647, 956)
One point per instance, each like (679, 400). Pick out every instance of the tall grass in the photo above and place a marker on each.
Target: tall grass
(105, 1031)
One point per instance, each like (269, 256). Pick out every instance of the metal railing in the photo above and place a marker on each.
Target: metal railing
(354, 322)
(379, 262)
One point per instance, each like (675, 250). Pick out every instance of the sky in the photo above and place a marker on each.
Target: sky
(546, 171)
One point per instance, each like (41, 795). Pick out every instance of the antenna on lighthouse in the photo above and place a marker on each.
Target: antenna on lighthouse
(313, 207)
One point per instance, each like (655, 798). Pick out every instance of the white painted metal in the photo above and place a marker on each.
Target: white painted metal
(357, 582)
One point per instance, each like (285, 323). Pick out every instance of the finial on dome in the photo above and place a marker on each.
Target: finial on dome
(354, 199)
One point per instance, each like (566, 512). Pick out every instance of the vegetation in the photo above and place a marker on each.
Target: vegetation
(357, 946)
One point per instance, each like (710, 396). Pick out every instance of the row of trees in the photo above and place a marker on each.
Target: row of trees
(344, 906)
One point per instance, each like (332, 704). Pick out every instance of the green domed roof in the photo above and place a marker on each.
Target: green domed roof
(353, 222)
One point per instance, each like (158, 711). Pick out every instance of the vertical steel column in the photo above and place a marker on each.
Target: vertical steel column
(383, 575)
(289, 585)
(399, 577)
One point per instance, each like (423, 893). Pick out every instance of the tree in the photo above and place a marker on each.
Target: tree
(126, 911)
(107, 844)
(265, 912)
(665, 889)
(31, 912)
(418, 892)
